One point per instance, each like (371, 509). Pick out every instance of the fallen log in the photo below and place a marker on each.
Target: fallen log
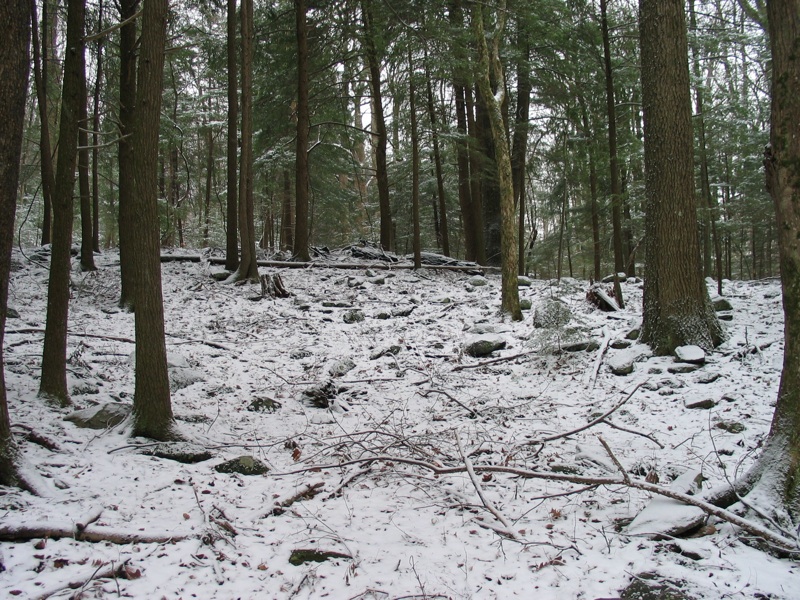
(34, 531)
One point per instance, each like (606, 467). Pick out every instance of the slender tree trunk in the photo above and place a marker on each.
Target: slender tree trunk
(444, 233)
(231, 221)
(677, 310)
(152, 408)
(301, 232)
(476, 179)
(248, 268)
(287, 213)
(379, 136)
(125, 157)
(414, 165)
(98, 85)
(616, 191)
(519, 150)
(596, 247)
(508, 236)
(15, 16)
(209, 180)
(53, 384)
(87, 249)
(40, 72)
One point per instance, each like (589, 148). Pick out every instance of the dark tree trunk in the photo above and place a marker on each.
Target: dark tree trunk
(301, 231)
(443, 232)
(476, 177)
(489, 175)
(152, 408)
(676, 308)
(127, 105)
(14, 14)
(231, 221)
(417, 248)
(53, 384)
(616, 190)
(98, 86)
(248, 268)
(519, 150)
(87, 247)
(287, 213)
(379, 136)
(209, 181)
(40, 72)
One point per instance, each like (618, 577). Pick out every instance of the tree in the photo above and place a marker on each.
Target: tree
(778, 487)
(301, 232)
(53, 382)
(87, 243)
(14, 14)
(152, 408)
(487, 66)
(248, 268)
(125, 157)
(232, 240)
(676, 307)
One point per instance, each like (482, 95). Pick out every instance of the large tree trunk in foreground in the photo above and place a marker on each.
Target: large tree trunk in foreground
(13, 87)
(676, 308)
(778, 489)
(231, 232)
(53, 382)
(152, 409)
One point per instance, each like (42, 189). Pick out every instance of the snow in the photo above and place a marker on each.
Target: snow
(409, 531)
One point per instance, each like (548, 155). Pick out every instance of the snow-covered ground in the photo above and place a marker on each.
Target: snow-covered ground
(402, 530)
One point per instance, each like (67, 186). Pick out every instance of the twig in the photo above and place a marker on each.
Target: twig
(592, 423)
(472, 412)
(634, 432)
(492, 361)
(477, 485)
(625, 477)
(598, 361)
(307, 491)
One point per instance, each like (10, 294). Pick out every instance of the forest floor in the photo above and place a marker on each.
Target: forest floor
(396, 528)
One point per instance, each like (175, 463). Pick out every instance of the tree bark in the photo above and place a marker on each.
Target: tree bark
(780, 462)
(98, 86)
(53, 384)
(14, 14)
(443, 229)
(152, 408)
(412, 93)
(127, 105)
(676, 307)
(231, 221)
(247, 269)
(490, 63)
(519, 150)
(379, 136)
(301, 232)
(87, 246)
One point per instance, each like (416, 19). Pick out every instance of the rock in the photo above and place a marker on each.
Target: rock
(725, 316)
(721, 304)
(378, 280)
(582, 346)
(703, 404)
(267, 405)
(336, 304)
(340, 367)
(633, 334)
(299, 354)
(523, 281)
(525, 304)
(102, 416)
(708, 378)
(690, 354)
(478, 281)
(682, 369)
(482, 328)
(299, 557)
(180, 378)
(320, 396)
(403, 311)
(182, 452)
(353, 316)
(393, 350)
(620, 344)
(244, 465)
(665, 517)
(12, 313)
(731, 426)
(621, 364)
(383, 316)
(484, 345)
(645, 586)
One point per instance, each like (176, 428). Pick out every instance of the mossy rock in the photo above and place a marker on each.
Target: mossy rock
(102, 416)
(633, 334)
(646, 586)
(484, 346)
(267, 405)
(721, 304)
(353, 316)
(302, 556)
(731, 426)
(525, 304)
(244, 465)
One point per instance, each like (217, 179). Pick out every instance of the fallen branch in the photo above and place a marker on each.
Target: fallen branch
(492, 361)
(598, 361)
(472, 412)
(307, 491)
(23, 533)
(782, 542)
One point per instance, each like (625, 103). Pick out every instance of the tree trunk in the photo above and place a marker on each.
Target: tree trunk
(14, 14)
(379, 136)
(287, 213)
(231, 221)
(248, 269)
(414, 165)
(127, 103)
(616, 191)
(87, 247)
(519, 150)
(152, 408)
(778, 490)
(676, 307)
(596, 248)
(53, 384)
(209, 181)
(508, 235)
(98, 86)
(476, 177)
(301, 231)
(443, 230)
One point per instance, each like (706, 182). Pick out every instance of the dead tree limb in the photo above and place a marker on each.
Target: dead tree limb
(33, 531)
(492, 361)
